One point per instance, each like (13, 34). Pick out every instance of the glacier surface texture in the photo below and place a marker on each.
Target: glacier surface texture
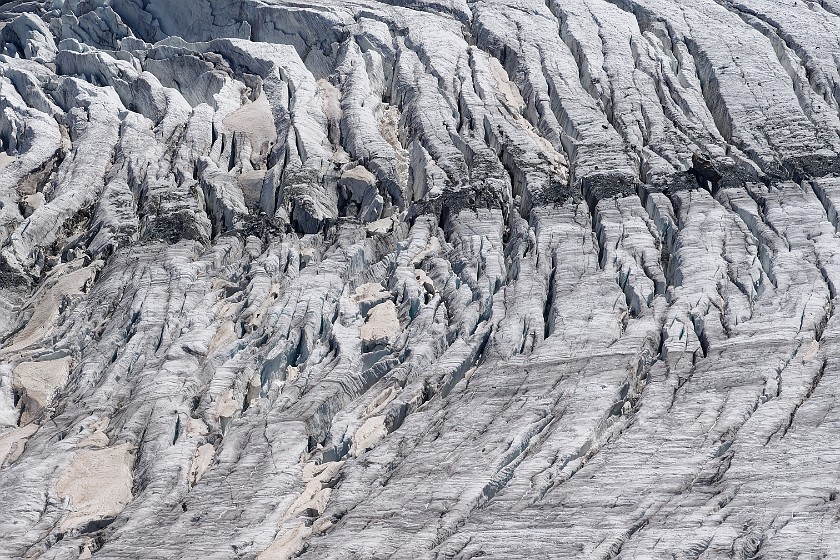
(419, 279)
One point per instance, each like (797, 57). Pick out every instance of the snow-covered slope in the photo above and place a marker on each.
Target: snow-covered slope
(419, 279)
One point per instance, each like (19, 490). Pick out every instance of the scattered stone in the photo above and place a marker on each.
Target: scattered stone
(37, 383)
(381, 326)
(97, 484)
(370, 295)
